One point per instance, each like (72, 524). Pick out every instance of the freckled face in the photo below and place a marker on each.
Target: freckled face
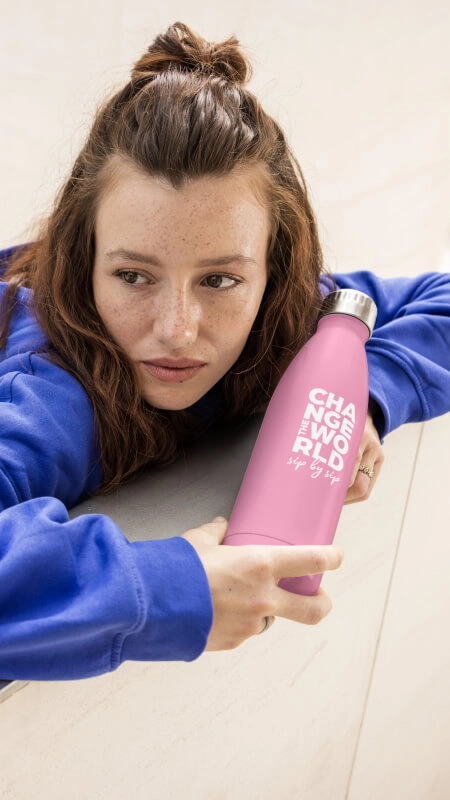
(179, 275)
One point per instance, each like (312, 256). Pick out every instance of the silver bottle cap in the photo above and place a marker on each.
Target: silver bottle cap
(351, 302)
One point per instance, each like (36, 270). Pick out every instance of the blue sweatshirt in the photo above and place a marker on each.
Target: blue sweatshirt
(76, 597)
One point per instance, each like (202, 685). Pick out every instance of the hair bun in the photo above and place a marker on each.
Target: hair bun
(183, 50)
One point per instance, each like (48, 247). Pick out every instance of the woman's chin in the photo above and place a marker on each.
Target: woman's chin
(176, 399)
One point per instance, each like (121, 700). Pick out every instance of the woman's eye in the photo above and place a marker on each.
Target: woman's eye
(130, 277)
(221, 281)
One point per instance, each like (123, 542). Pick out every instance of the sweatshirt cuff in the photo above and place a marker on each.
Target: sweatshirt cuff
(395, 391)
(175, 604)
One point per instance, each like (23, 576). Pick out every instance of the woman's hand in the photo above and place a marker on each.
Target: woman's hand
(243, 582)
(370, 455)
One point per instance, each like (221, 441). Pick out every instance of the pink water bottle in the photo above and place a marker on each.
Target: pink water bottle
(299, 471)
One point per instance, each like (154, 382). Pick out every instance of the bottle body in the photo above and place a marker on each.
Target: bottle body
(299, 471)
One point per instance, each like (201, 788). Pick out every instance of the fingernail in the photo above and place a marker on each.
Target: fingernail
(219, 519)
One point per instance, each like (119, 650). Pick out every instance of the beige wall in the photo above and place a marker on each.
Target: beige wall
(359, 707)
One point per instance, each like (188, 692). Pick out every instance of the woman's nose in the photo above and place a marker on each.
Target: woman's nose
(177, 319)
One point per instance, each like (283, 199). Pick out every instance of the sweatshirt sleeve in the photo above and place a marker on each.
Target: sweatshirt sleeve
(76, 597)
(409, 351)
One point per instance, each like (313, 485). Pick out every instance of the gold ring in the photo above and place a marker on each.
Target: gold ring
(267, 623)
(367, 471)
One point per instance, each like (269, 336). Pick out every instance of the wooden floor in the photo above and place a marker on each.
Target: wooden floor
(359, 707)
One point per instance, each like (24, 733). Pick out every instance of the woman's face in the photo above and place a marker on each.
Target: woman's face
(179, 276)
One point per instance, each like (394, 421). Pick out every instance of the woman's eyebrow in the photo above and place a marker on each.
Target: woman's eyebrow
(132, 255)
(222, 261)
(147, 258)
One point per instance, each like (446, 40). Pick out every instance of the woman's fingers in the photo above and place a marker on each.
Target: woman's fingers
(209, 533)
(279, 561)
(298, 560)
(300, 608)
(244, 583)
(368, 465)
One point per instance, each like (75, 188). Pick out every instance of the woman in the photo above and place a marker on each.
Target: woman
(179, 273)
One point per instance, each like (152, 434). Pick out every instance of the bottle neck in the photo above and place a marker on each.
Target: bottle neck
(345, 322)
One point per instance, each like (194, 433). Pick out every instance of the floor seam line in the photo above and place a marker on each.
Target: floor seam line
(383, 617)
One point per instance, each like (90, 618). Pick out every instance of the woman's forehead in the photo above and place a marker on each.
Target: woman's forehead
(120, 169)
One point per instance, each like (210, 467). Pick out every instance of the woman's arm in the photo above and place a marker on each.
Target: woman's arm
(409, 351)
(76, 598)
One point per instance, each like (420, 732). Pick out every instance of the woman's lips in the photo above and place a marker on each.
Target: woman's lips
(173, 371)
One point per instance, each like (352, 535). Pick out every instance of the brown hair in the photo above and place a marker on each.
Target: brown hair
(185, 113)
